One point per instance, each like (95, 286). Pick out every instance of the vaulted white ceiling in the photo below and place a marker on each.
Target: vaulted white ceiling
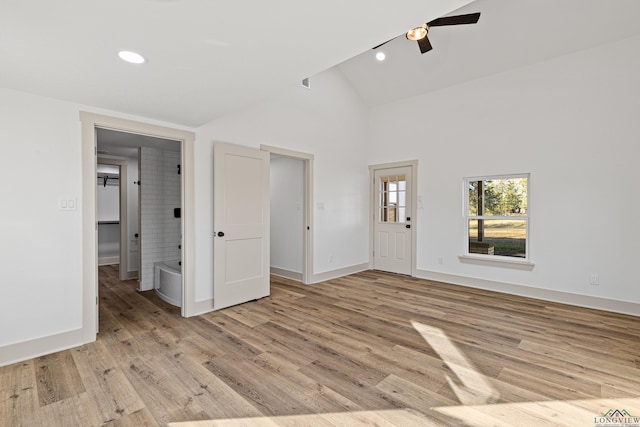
(509, 34)
(205, 58)
(208, 58)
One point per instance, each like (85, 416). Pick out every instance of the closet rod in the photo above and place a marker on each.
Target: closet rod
(107, 178)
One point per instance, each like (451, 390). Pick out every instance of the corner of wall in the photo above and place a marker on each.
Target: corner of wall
(334, 274)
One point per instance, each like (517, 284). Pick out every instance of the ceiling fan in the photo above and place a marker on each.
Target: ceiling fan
(419, 33)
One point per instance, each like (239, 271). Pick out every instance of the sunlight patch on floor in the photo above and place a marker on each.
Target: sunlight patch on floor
(475, 393)
(578, 413)
(468, 384)
(390, 418)
(548, 413)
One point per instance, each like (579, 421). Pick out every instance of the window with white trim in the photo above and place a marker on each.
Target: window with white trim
(496, 216)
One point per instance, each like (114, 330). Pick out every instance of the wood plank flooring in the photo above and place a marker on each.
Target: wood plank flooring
(367, 349)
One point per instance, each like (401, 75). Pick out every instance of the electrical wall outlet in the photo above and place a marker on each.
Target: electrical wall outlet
(594, 279)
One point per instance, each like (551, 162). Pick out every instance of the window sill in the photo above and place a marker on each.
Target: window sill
(490, 261)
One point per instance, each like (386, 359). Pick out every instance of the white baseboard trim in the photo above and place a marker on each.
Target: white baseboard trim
(282, 272)
(200, 307)
(586, 301)
(26, 350)
(109, 260)
(334, 274)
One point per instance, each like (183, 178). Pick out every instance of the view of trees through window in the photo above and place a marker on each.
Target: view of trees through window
(497, 215)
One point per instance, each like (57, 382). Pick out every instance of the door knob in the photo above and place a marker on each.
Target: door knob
(407, 226)
(220, 234)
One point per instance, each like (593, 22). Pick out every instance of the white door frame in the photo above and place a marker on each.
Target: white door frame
(307, 236)
(123, 268)
(413, 164)
(139, 219)
(89, 123)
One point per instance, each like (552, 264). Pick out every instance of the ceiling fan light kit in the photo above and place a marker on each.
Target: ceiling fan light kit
(419, 33)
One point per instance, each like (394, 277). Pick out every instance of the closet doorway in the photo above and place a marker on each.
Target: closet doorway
(291, 188)
(111, 192)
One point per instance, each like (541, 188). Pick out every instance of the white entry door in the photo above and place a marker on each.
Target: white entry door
(241, 225)
(392, 220)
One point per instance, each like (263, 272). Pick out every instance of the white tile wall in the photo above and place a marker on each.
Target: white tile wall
(160, 194)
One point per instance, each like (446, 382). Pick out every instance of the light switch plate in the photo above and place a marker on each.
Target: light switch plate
(67, 204)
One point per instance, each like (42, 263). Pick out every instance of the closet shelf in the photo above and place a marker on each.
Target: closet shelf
(108, 222)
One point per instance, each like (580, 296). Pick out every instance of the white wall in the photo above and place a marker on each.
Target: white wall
(108, 243)
(108, 201)
(287, 213)
(41, 289)
(327, 121)
(571, 122)
(40, 248)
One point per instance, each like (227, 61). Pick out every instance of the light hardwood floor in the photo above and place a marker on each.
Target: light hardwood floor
(367, 349)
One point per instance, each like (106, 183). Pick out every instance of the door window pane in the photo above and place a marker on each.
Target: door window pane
(392, 198)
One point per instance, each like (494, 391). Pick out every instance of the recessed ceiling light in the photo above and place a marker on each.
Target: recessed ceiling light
(380, 56)
(132, 57)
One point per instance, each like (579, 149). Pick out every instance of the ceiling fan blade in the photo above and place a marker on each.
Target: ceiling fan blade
(382, 44)
(470, 18)
(425, 45)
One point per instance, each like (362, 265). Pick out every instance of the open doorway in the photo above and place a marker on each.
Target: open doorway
(113, 217)
(150, 238)
(92, 125)
(291, 189)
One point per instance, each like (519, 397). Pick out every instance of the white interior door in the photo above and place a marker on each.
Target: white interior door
(241, 225)
(392, 220)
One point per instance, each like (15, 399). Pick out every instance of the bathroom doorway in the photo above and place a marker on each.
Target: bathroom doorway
(150, 190)
(94, 128)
